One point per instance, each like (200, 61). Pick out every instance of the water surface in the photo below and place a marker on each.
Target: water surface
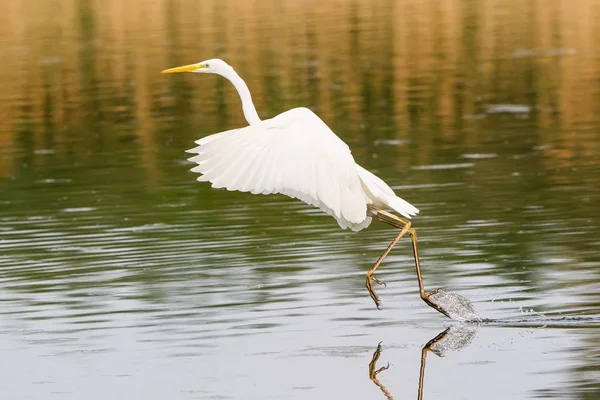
(122, 277)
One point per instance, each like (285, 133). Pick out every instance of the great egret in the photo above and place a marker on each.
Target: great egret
(296, 154)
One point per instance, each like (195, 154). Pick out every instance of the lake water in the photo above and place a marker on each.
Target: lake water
(122, 277)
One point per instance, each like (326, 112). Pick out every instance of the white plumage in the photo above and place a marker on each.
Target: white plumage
(295, 154)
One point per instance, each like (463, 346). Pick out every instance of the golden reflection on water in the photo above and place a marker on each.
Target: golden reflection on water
(82, 79)
(427, 64)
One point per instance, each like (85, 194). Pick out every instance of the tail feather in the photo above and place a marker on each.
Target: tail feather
(402, 206)
(381, 194)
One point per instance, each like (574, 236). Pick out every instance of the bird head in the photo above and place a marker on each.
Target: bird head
(212, 66)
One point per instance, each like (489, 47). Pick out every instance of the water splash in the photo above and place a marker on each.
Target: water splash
(456, 306)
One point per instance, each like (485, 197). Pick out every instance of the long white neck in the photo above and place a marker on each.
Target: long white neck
(242, 89)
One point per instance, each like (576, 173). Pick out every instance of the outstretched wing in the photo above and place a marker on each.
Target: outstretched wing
(294, 153)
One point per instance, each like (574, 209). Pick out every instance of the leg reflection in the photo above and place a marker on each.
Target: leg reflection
(373, 372)
(426, 349)
(453, 338)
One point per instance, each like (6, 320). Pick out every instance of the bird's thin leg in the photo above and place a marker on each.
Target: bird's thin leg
(399, 222)
(370, 278)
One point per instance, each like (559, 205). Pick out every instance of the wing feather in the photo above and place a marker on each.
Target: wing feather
(294, 154)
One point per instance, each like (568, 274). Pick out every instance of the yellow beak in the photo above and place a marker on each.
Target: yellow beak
(184, 68)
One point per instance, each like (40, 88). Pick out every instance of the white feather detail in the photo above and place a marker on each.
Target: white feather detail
(295, 154)
(381, 195)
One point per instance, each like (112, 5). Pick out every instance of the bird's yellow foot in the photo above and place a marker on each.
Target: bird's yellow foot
(370, 279)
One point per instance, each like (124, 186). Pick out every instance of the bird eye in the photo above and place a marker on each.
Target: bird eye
(207, 65)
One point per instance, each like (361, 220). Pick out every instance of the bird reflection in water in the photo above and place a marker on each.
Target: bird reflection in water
(373, 372)
(452, 339)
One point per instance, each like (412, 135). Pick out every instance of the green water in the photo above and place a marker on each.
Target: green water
(123, 277)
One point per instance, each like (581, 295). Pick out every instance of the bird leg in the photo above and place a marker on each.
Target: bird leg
(405, 225)
(370, 278)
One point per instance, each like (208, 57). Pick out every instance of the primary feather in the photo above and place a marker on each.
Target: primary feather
(295, 154)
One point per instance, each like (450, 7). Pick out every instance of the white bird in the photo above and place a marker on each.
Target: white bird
(296, 154)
